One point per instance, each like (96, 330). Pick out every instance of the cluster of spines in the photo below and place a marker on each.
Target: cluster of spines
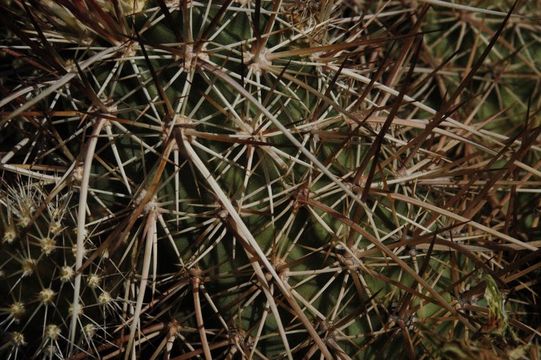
(333, 208)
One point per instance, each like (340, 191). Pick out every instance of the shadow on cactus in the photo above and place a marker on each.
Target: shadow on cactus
(269, 180)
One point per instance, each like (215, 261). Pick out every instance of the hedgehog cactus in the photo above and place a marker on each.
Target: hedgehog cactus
(268, 179)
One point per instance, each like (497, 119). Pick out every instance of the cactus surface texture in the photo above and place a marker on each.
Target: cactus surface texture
(270, 179)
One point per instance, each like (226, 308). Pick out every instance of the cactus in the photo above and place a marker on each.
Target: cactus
(269, 179)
